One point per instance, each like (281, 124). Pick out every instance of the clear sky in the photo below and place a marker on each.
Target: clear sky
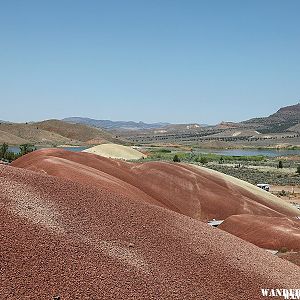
(156, 60)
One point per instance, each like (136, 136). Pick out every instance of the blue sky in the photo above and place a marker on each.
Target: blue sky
(159, 60)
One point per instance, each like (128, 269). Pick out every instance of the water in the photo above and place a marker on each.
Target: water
(74, 149)
(251, 152)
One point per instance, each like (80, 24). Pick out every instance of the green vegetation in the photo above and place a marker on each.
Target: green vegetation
(3, 150)
(292, 148)
(280, 164)
(203, 158)
(9, 156)
(164, 150)
(253, 169)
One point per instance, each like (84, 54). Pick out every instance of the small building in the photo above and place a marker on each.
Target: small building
(264, 186)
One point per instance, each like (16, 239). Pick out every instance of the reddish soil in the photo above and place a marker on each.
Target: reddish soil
(265, 232)
(60, 237)
(293, 257)
(185, 189)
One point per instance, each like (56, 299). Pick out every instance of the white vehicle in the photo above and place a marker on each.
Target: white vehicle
(264, 186)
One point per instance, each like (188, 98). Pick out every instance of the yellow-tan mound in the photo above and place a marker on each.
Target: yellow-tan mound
(116, 151)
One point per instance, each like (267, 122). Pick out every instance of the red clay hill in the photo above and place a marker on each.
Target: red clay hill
(60, 237)
(195, 192)
(265, 232)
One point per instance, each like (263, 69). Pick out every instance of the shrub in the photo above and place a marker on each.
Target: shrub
(176, 158)
(203, 160)
(283, 250)
(283, 193)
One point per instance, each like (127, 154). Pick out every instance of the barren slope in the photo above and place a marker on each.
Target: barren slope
(6, 137)
(62, 238)
(35, 135)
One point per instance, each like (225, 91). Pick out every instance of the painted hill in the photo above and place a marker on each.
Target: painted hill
(61, 237)
(52, 132)
(196, 192)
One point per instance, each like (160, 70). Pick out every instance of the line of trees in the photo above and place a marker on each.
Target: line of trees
(9, 156)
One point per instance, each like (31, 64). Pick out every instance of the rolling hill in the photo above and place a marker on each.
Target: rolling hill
(79, 132)
(175, 186)
(6, 137)
(53, 132)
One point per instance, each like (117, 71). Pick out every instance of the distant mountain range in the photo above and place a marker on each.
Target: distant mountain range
(87, 131)
(108, 124)
(285, 119)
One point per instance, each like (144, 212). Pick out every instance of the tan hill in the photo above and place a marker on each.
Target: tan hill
(228, 125)
(53, 132)
(77, 240)
(116, 151)
(6, 137)
(79, 132)
(33, 134)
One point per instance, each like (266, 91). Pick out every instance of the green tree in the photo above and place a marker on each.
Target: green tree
(10, 156)
(280, 164)
(25, 148)
(176, 158)
(3, 150)
(298, 169)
